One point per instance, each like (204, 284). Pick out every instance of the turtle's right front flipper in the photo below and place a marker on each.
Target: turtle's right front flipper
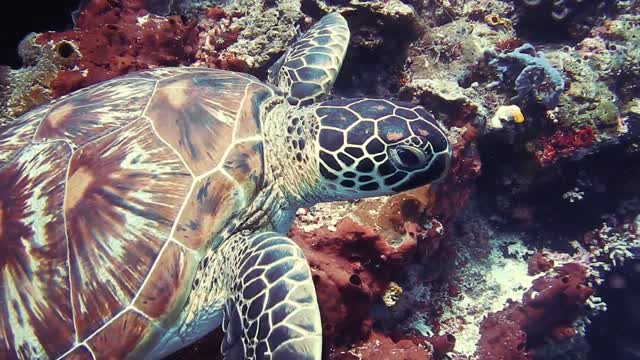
(272, 312)
(306, 72)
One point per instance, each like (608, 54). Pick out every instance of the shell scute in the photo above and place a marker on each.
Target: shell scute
(96, 111)
(161, 293)
(33, 269)
(245, 164)
(168, 72)
(211, 204)
(196, 115)
(15, 135)
(249, 117)
(124, 193)
(122, 336)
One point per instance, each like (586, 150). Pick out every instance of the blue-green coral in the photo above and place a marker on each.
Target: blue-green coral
(531, 76)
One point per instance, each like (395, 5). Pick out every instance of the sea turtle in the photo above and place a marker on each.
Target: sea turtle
(139, 214)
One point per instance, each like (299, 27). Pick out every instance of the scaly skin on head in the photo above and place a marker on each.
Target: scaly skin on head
(351, 148)
(291, 153)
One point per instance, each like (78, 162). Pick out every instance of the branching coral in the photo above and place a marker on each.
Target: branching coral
(609, 247)
(530, 75)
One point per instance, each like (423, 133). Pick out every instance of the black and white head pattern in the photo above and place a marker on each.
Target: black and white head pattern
(372, 147)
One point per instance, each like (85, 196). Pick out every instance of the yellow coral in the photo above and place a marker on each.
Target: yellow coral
(495, 20)
(506, 114)
(517, 115)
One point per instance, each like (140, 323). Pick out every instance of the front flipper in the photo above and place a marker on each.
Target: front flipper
(272, 312)
(306, 72)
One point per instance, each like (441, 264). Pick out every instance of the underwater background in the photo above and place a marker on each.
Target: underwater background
(528, 249)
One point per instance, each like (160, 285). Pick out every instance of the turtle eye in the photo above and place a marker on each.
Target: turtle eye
(408, 157)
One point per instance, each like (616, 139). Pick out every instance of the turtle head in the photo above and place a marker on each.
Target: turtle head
(347, 148)
(372, 147)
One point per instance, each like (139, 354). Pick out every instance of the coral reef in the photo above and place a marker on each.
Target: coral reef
(265, 30)
(352, 268)
(28, 87)
(440, 270)
(562, 144)
(378, 346)
(465, 168)
(380, 30)
(216, 31)
(515, 253)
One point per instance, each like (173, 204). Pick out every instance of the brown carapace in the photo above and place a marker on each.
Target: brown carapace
(144, 167)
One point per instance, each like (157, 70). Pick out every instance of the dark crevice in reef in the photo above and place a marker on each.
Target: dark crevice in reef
(559, 21)
(371, 72)
(376, 55)
(536, 24)
(613, 334)
(520, 191)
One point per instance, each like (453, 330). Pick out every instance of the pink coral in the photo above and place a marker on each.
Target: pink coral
(351, 269)
(113, 38)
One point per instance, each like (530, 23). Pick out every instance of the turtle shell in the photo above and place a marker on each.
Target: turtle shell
(108, 199)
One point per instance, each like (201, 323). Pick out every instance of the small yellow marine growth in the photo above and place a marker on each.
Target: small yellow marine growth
(506, 114)
(517, 116)
(552, 115)
(392, 294)
(495, 20)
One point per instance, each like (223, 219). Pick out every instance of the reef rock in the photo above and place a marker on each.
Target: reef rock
(24, 89)
(266, 30)
(547, 309)
(352, 267)
(378, 346)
